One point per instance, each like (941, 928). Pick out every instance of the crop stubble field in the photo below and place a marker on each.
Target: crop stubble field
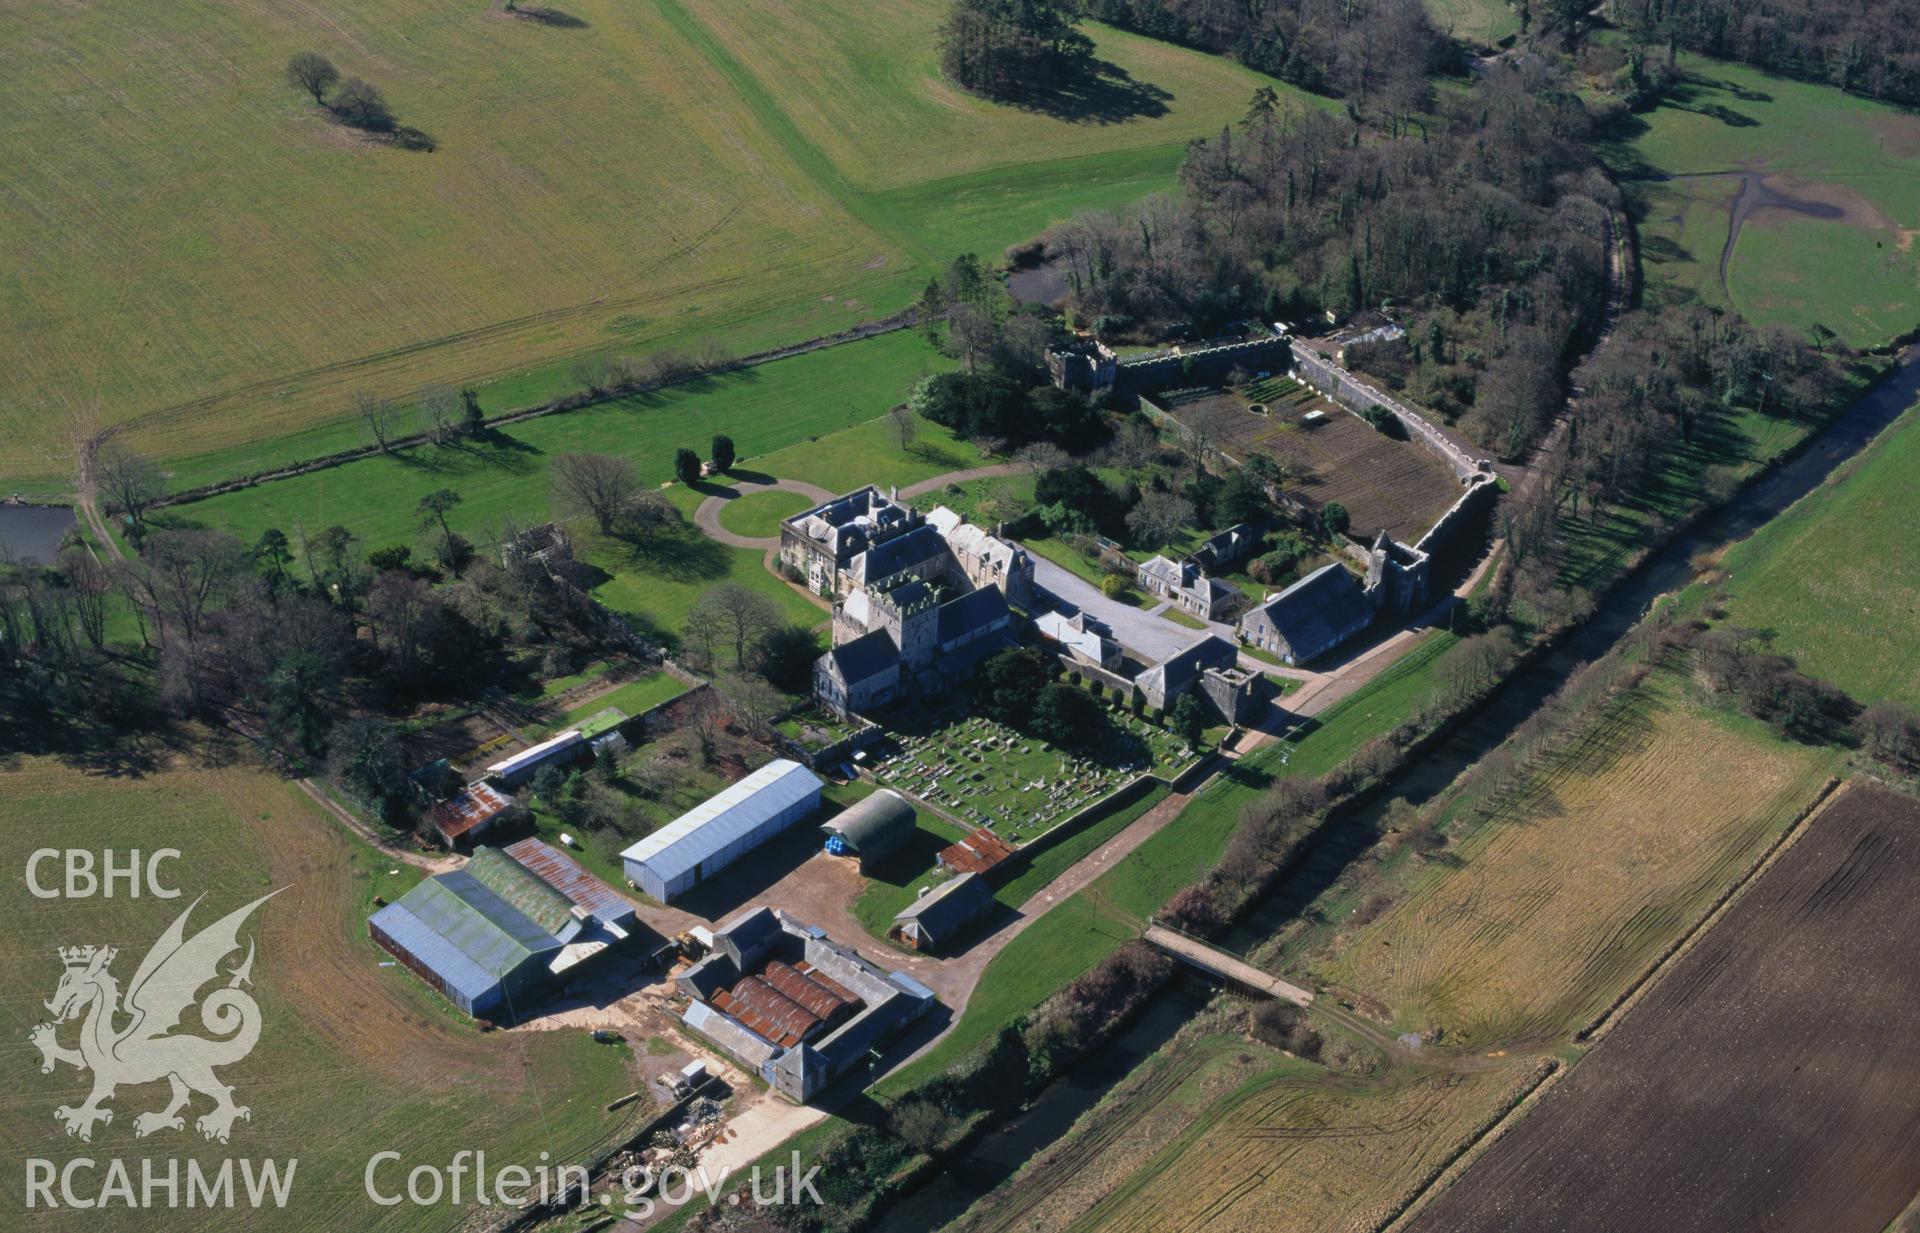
(1578, 881)
(353, 1057)
(1766, 1081)
(1565, 893)
(202, 256)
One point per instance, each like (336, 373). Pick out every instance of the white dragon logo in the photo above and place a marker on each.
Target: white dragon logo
(167, 982)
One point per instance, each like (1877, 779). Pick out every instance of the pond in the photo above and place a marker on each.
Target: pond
(31, 534)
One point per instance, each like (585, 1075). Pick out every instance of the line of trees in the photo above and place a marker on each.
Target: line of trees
(1363, 50)
(1869, 49)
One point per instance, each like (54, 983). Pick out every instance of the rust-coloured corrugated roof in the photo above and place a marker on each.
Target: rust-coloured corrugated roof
(978, 852)
(827, 982)
(564, 874)
(796, 986)
(767, 1011)
(477, 804)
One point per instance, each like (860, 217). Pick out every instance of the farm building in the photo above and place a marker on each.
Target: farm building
(793, 1005)
(1311, 617)
(943, 913)
(872, 830)
(498, 934)
(517, 768)
(1208, 667)
(462, 821)
(701, 842)
(1080, 637)
(978, 852)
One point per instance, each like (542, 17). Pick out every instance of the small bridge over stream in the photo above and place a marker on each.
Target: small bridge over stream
(1223, 964)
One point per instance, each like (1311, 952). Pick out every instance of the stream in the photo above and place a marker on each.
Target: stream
(996, 1156)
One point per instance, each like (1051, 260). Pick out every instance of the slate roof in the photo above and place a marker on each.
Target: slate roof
(1317, 611)
(950, 907)
(902, 552)
(1175, 674)
(867, 656)
(972, 611)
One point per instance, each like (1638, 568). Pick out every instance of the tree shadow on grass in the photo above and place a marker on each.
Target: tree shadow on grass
(546, 16)
(1101, 93)
(681, 556)
(491, 451)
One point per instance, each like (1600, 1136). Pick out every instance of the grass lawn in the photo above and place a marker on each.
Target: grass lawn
(1483, 22)
(234, 269)
(1182, 618)
(1855, 273)
(763, 409)
(759, 514)
(633, 697)
(870, 453)
(1837, 577)
(354, 1050)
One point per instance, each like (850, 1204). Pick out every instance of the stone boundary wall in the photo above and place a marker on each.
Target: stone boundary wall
(1211, 364)
(1343, 387)
(1481, 493)
(1113, 682)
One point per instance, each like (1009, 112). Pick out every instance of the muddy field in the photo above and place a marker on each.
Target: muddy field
(1766, 1081)
(1385, 483)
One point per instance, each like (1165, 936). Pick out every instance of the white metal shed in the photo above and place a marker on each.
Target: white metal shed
(708, 838)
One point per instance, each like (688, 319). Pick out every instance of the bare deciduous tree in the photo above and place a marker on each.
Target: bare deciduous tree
(89, 584)
(381, 419)
(131, 483)
(597, 486)
(440, 412)
(905, 426)
(737, 616)
(1159, 518)
(312, 72)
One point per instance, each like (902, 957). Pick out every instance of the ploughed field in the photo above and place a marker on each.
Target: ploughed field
(1387, 484)
(1766, 1081)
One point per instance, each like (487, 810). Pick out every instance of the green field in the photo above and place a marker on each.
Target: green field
(763, 409)
(1837, 577)
(1856, 273)
(356, 1055)
(207, 259)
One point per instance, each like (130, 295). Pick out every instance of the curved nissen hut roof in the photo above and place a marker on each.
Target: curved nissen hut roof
(876, 827)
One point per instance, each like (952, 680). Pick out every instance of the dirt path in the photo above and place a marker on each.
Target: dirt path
(990, 471)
